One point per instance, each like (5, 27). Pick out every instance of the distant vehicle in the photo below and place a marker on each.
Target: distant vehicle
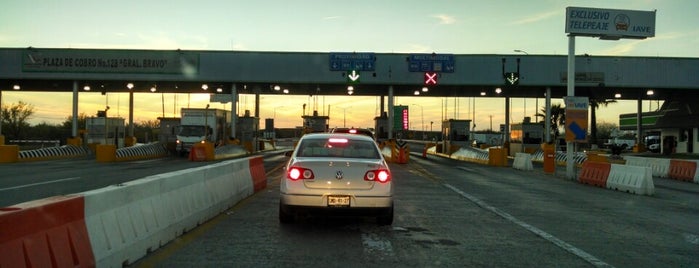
(340, 174)
(201, 124)
(652, 143)
(624, 144)
(361, 131)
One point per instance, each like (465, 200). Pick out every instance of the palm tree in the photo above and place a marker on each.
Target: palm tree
(594, 104)
(558, 118)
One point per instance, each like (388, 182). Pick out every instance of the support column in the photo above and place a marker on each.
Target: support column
(234, 107)
(639, 119)
(74, 132)
(74, 138)
(507, 121)
(390, 112)
(2, 138)
(570, 146)
(130, 139)
(548, 115)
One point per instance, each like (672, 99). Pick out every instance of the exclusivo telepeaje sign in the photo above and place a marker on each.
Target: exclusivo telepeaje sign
(610, 23)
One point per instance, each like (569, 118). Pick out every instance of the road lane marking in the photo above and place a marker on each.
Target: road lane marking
(558, 242)
(38, 183)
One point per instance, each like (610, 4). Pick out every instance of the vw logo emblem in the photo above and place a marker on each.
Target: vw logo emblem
(338, 174)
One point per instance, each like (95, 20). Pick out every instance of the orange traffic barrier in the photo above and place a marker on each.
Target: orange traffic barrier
(257, 172)
(682, 170)
(49, 232)
(595, 173)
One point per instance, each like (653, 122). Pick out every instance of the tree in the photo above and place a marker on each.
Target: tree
(558, 118)
(594, 104)
(15, 117)
(68, 123)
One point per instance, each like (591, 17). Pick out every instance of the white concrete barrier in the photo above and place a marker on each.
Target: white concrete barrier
(523, 161)
(632, 179)
(659, 166)
(127, 221)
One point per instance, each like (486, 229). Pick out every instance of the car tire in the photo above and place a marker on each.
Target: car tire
(386, 219)
(285, 217)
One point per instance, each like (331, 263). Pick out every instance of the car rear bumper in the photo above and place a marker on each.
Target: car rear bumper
(321, 201)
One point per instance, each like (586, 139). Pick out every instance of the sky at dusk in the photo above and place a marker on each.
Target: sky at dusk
(401, 26)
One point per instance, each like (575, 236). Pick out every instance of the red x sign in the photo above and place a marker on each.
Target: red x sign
(430, 78)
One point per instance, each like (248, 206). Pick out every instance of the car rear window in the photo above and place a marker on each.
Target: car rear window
(348, 148)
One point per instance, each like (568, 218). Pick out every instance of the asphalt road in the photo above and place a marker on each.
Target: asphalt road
(457, 214)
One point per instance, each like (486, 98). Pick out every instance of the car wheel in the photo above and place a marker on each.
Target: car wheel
(285, 217)
(386, 219)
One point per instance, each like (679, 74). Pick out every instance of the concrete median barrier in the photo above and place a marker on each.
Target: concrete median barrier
(659, 166)
(631, 179)
(49, 232)
(595, 173)
(523, 161)
(682, 170)
(127, 221)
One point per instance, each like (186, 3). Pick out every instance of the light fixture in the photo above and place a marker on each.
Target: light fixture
(86, 88)
(617, 95)
(277, 87)
(219, 90)
(425, 89)
(498, 90)
(350, 88)
(16, 87)
(482, 93)
(350, 92)
(416, 93)
(286, 91)
(204, 86)
(650, 92)
(129, 86)
(153, 89)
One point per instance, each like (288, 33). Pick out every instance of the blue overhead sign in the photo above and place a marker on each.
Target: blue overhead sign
(441, 63)
(352, 61)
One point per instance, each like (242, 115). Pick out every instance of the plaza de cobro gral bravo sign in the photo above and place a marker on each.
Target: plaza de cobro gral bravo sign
(610, 23)
(109, 61)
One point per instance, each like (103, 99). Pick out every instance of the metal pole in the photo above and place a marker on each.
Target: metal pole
(548, 115)
(390, 112)
(234, 107)
(131, 126)
(570, 147)
(507, 119)
(74, 129)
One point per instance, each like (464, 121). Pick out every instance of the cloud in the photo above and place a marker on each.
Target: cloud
(445, 19)
(622, 48)
(332, 17)
(536, 17)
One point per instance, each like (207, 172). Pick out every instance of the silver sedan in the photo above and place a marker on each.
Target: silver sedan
(339, 174)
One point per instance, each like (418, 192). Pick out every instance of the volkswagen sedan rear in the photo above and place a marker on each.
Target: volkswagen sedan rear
(340, 174)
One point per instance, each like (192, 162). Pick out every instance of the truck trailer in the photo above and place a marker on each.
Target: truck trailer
(199, 125)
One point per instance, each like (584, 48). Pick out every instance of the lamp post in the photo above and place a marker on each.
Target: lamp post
(344, 115)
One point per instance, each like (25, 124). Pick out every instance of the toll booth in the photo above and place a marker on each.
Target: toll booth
(315, 123)
(105, 130)
(526, 137)
(456, 133)
(169, 127)
(269, 132)
(381, 126)
(248, 127)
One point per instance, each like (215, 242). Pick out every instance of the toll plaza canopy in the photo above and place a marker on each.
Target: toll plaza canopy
(307, 73)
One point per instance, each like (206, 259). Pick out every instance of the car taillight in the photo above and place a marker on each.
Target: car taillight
(380, 175)
(296, 173)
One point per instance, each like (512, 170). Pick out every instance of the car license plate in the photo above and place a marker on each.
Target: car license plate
(338, 201)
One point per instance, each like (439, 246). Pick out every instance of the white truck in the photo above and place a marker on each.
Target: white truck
(202, 124)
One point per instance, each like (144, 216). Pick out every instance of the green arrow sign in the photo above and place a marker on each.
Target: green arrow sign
(353, 77)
